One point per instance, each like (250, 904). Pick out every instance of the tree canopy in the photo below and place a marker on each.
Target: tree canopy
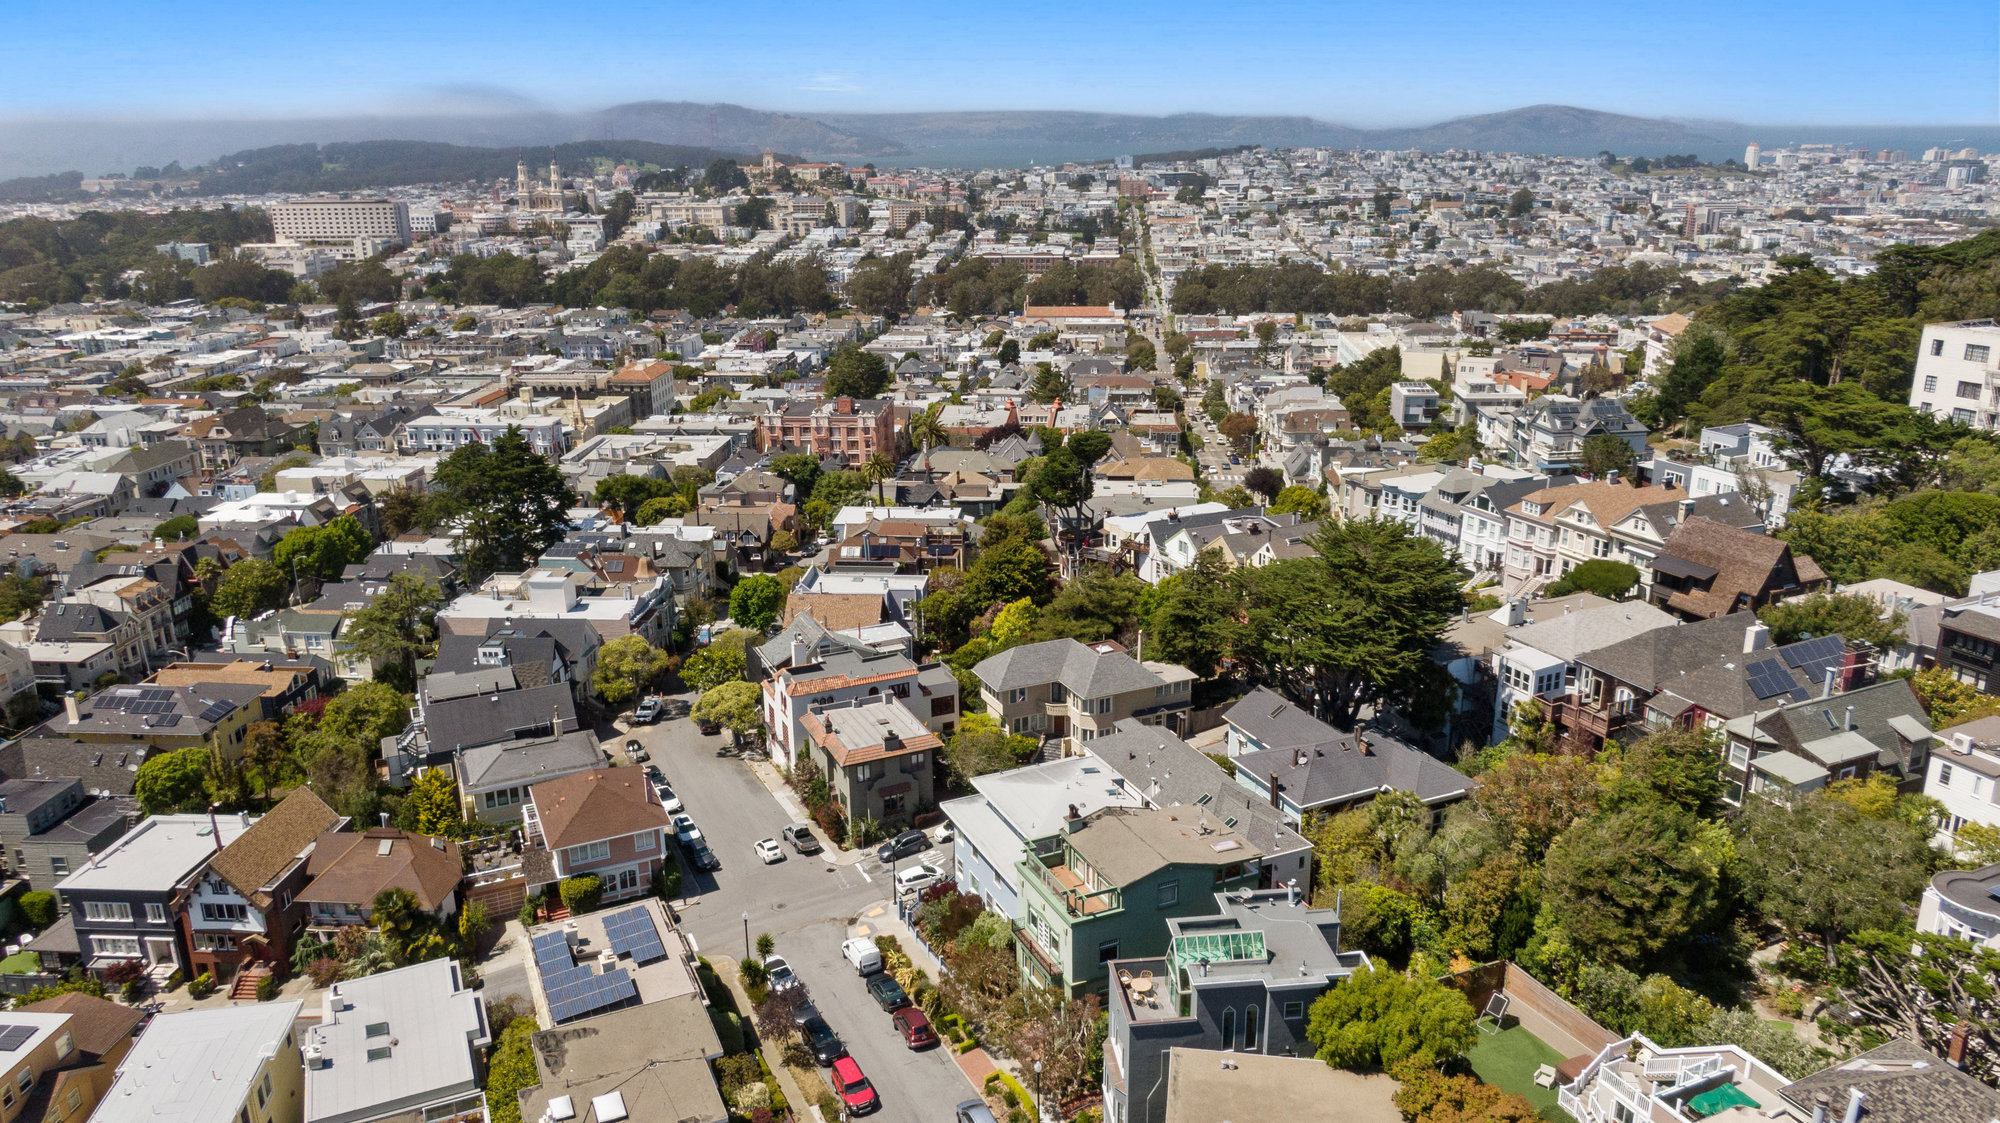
(508, 500)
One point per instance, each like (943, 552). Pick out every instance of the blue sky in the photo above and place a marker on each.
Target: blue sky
(1781, 61)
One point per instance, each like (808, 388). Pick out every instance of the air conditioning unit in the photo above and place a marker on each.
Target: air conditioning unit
(1961, 744)
(315, 1055)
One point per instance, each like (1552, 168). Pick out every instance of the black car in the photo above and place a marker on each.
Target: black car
(819, 1037)
(887, 992)
(903, 845)
(702, 857)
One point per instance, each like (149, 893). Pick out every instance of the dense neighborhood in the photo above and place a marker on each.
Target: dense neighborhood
(1455, 636)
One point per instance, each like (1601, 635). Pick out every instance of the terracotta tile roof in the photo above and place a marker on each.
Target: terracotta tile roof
(854, 735)
(836, 611)
(96, 1025)
(589, 806)
(350, 868)
(272, 843)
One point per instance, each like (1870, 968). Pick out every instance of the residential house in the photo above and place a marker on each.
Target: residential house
(1642, 533)
(239, 1063)
(1072, 693)
(1968, 641)
(211, 716)
(806, 665)
(1299, 764)
(1547, 433)
(40, 1060)
(400, 1046)
(848, 429)
(1020, 811)
(1963, 904)
(607, 823)
(1706, 568)
(243, 912)
(879, 760)
(1898, 1081)
(226, 438)
(1209, 1086)
(1556, 529)
(1635, 1079)
(124, 905)
(1961, 776)
(1801, 746)
(1240, 980)
(904, 545)
(1106, 890)
(50, 827)
(493, 779)
(101, 1034)
(350, 868)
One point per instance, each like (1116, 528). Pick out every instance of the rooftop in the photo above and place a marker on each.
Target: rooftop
(155, 855)
(392, 1042)
(197, 1066)
(1206, 1086)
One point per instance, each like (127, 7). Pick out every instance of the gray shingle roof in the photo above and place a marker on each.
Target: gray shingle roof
(1082, 671)
(1317, 764)
(1902, 1082)
(509, 715)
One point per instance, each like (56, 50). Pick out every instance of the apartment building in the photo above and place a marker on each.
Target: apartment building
(125, 904)
(453, 427)
(808, 665)
(849, 429)
(1958, 373)
(1073, 693)
(1556, 529)
(401, 1046)
(879, 760)
(50, 827)
(353, 228)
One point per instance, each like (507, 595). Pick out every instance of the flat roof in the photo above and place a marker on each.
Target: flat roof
(196, 1066)
(393, 1042)
(157, 853)
(1207, 1086)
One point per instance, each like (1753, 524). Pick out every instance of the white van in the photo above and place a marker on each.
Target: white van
(862, 952)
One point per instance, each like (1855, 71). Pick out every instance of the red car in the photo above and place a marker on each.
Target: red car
(915, 1028)
(856, 1094)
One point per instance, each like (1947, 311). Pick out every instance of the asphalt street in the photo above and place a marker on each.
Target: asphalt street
(809, 904)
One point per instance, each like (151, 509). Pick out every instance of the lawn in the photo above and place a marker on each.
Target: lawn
(1508, 1060)
(21, 963)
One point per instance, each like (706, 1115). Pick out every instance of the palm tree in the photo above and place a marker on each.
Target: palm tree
(877, 469)
(926, 431)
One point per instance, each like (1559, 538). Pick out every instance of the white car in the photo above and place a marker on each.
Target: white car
(669, 802)
(923, 875)
(769, 850)
(685, 830)
(780, 973)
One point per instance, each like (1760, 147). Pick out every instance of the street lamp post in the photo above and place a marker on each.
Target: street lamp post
(746, 937)
(1038, 1093)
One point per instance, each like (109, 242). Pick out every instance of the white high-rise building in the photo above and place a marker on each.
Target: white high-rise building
(354, 228)
(1750, 155)
(1958, 372)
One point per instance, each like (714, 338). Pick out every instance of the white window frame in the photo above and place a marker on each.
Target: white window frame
(107, 912)
(156, 913)
(587, 852)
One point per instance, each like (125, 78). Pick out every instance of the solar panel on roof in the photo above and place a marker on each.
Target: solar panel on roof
(1768, 678)
(1819, 649)
(217, 711)
(13, 1037)
(166, 720)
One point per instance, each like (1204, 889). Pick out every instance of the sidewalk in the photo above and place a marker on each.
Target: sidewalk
(774, 1051)
(767, 774)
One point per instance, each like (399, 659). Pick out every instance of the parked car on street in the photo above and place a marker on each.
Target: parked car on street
(769, 852)
(915, 1028)
(780, 973)
(857, 1096)
(801, 836)
(670, 802)
(685, 831)
(649, 711)
(887, 992)
(974, 1111)
(636, 752)
(819, 1037)
(902, 846)
(917, 877)
(699, 854)
(863, 954)
(709, 726)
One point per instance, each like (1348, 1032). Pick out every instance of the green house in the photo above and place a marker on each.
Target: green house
(1105, 888)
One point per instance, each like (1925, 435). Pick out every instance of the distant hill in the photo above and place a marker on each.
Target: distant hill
(984, 139)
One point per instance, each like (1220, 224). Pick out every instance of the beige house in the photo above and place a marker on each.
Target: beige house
(1075, 693)
(234, 1063)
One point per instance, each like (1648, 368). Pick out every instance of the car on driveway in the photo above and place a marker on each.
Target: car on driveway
(649, 711)
(769, 851)
(918, 877)
(801, 836)
(915, 1028)
(857, 1096)
(887, 992)
(636, 752)
(780, 973)
(819, 1037)
(863, 954)
(902, 846)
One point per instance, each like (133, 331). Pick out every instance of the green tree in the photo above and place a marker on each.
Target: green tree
(1603, 576)
(397, 626)
(1520, 203)
(756, 601)
(1632, 884)
(1307, 504)
(1425, 1095)
(736, 705)
(432, 805)
(1194, 614)
(509, 501)
(1603, 454)
(1830, 614)
(630, 493)
(712, 666)
(854, 373)
(391, 324)
(173, 781)
(800, 468)
(249, 588)
(1819, 866)
(1379, 1017)
(1096, 604)
(511, 1069)
(1355, 622)
(1010, 352)
(323, 551)
(880, 285)
(180, 528)
(627, 666)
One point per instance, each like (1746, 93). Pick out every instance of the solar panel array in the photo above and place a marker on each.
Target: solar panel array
(1769, 679)
(13, 1037)
(552, 952)
(573, 991)
(1814, 657)
(632, 933)
(216, 711)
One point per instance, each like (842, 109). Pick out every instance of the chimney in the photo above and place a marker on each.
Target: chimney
(527, 395)
(1820, 1105)
(844, 406)
(385, 820)
(1956, 1053)
(1292, 891)
(1687, 509)
(74, 711)
(1274, 789)
(1756, 637)
(1826, 688)
(1849, 723)
(1854, 1101)
(801, 652)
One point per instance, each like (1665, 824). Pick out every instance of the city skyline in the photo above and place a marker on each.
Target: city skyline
(1347, 64)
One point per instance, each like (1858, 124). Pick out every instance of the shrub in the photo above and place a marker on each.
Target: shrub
(738, 1071)
(39, 907)
(118, 974)
(751, 1097)
(829, 1108)
(530, 909)
(324, 971)
(581, 894)
(728, 1030)
(133, 990)
(1789, 1001)
(202, 986)
(753, 974)
(267, 988)
(512, 1069)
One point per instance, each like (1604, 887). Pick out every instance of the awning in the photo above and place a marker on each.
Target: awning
(1720, 1098)
(1681, 567)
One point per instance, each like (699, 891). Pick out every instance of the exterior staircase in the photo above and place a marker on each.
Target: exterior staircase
(244, 989)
